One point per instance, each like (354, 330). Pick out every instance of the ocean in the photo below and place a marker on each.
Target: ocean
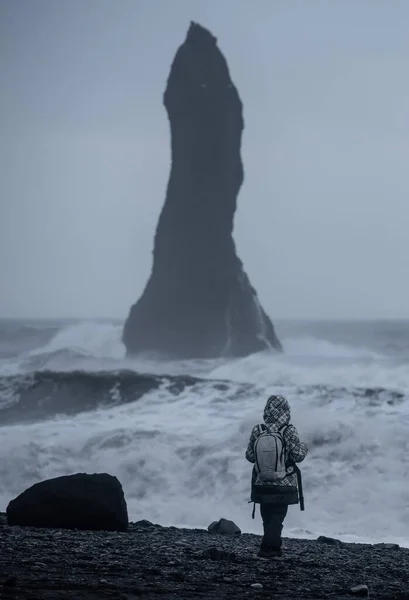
(175, 433)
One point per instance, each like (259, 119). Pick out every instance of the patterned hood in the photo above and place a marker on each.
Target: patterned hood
(277, 412)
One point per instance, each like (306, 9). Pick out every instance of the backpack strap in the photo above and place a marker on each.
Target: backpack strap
(281, 430)
(291, 466)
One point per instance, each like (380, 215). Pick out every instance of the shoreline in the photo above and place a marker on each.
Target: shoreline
(151, 562)
(293, 534)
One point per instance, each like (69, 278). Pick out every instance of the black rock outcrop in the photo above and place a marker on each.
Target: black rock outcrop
(198, 302)
(94, 502)
(224, 527)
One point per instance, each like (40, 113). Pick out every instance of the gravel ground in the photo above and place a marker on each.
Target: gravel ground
(152, 562)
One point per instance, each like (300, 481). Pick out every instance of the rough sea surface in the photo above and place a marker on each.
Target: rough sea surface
(175, 433)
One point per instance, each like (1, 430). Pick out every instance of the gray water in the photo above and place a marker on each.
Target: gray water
(178, 448)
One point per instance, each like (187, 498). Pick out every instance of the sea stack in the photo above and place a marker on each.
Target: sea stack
(198, 302)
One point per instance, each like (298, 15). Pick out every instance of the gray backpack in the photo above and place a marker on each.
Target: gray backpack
(269, 451)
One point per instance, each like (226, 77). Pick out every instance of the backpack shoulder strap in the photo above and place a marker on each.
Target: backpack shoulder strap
(262, 427)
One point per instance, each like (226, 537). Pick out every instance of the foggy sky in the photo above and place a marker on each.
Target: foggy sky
(322, 224)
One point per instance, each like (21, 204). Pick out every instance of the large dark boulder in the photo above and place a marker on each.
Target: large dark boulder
(198, 302)
(95, 502)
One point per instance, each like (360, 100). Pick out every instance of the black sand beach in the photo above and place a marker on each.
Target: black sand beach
(152, 562)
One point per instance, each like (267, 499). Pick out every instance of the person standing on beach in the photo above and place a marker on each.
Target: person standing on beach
(274, 448)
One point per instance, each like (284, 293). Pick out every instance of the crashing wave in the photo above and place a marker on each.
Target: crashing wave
(46, 394)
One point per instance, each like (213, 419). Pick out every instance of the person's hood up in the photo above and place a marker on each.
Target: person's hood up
(277, 411)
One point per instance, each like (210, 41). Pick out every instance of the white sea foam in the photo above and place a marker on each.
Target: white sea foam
(181, 459)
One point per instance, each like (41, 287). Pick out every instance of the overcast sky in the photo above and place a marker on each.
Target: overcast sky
(322, 224)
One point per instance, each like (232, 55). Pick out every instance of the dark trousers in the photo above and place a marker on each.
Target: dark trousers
(273, 516)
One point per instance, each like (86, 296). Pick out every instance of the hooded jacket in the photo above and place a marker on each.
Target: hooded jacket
(277, 415)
